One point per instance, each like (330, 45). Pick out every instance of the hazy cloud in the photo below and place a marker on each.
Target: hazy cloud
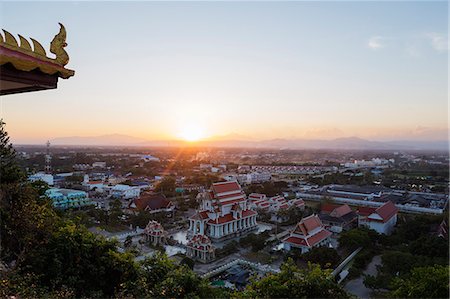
(376, 43)
(439, 41)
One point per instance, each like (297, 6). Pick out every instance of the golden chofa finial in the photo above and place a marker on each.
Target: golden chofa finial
(57, 46)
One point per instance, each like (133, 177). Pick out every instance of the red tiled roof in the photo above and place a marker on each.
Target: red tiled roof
(200, 215)
(327, 208)
(222, 219)
(256, 196)
(309, 241)
(387, 211)
(320, 236)
(223, 187)
(247, 213)
(229, 202)
(341, 211)
(365, 211)
(152, 202)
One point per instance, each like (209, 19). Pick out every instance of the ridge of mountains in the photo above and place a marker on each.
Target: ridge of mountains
(240, 141)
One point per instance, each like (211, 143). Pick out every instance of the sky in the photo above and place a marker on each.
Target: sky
(262, 70)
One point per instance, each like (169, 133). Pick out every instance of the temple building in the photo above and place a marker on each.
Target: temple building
(154, 233)
(224, 212)
(308, 233)
(200, 248)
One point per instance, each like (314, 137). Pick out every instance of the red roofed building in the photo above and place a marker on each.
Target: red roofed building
(154, 233)
(224, 212)
(200, 248)
(337, 218)
(381, 219)
(308, 233)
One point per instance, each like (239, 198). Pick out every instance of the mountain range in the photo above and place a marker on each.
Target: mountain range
(236, 140)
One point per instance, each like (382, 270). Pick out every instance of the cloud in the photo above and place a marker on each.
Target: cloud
(376, 43)
(439, 41)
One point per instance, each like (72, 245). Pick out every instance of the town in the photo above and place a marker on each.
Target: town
(232, 213)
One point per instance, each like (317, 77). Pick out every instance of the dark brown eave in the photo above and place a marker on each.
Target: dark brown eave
(14, 81)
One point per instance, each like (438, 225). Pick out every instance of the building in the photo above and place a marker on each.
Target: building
(201, 249)
(224, 212)
(154, 233)
(381, 219)
(41, 176)
(308, 233)
(125, 191)
(68, 198)
(153, 203)
(99, 165)
(338, 218)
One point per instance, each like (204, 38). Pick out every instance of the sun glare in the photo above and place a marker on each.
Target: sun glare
(192, 132)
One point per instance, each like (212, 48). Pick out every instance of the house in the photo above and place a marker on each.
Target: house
(338, 218)
(125, 191)
(153, 203)
(224, 212)
(381, 219)
(308, 233)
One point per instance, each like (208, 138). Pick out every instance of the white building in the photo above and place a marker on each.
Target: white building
(125, 191)
(381, 219)
(99, 165)
(224, 212)
(40, 176)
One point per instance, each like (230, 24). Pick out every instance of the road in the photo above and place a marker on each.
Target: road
(356, 286)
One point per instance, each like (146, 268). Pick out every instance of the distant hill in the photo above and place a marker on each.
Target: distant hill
(235, 140)
(104, 140)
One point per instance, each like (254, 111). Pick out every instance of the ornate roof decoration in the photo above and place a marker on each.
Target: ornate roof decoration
(26, 58)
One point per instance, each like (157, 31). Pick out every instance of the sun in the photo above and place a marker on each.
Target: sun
(192, 132)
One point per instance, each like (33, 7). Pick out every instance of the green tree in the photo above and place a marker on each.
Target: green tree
(166, 186)
(358, 237)
(115, 211)
(40, 187)
(293, 282)
(9, 170)
(324, 256)
(423, 282)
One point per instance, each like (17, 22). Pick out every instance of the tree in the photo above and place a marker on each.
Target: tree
(40, 187)
(115, 211)
(188, 262)
(423, 282)
(324, 256)
(85, 263)
(166, 186)
(9, 170)
(358, 237)
(293, 282)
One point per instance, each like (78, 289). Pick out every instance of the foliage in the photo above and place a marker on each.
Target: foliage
(357, 237)
(166, 186)
(423, 282)
(40, 187)
(79, 260)
(324, 256)
(9, 170)
(293, 282)
(188, 262)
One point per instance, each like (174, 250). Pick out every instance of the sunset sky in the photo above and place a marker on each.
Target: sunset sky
(167, 70)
